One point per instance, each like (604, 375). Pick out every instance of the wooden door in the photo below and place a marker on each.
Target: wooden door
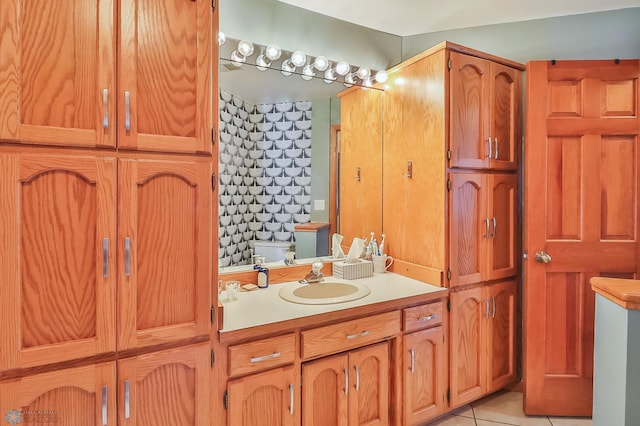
(369, 396)
(164, 251)
(425, 376)
(506, 118)
(73, 396)
(325, 391)
(58, 72)
(469, 312)
(501, 337)
(164, 75)
(165, 388)
(502, 214)
(57, 247)
(360, 207)
(469, 125)
(469, 228)
(581, 216)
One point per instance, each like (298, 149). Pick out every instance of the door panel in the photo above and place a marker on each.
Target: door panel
(501, 335)
(581, 209)
(501, 255)
(505, 110)
(325, 393)
(369, 396)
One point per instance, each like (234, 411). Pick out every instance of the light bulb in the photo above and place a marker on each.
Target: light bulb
(262, 63)
(329, 76)
(273, 52)
(362, 73)
(221, 38)
(349, 80)
(237, 59)
(287, 68)
(298, 58)
(321, 63)
(307, 73)
(342, 68)
(382, 76)
(367, 82)
(245, 48)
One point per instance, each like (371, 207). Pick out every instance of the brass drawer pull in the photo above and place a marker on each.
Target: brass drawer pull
(265, 357)
(354, 336)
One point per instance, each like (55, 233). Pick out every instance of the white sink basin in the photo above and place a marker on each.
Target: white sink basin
(324, 293)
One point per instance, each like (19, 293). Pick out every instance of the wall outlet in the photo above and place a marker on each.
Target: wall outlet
(318, 205)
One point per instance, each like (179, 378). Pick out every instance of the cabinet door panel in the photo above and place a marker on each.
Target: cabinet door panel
(369, 394)
(469, 310)
(469, 228)
(425, 377)
(325, 392)
(75, 396)
(164, 214)
(502, 234)
(505, 115)
(469, 111)
(58, 258)
(501, 335)
(57, 60)
(164, 75)
(165, 388)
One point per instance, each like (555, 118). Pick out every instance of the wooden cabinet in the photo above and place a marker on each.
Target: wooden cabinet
(484, 113)
(347, 389)
(61, 84)
(269, 398)
(63, 259)
(482, 340)
(483, 227)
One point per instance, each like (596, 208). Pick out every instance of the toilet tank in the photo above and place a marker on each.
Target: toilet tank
(273, 251)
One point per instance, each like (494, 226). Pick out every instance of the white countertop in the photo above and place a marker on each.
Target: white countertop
(264, 306)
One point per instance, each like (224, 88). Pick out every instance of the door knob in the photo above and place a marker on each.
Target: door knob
(543, 257)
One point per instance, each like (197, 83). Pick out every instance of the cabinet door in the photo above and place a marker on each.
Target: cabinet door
(325, 391)
(425, 375)
(502, 203)
(369, 393)
(267, 398)
(165, 388)
(468, 228)
(57, 248)
(58, 72)
(505, 116)
(164, 247)
(469, 111)
(164, 97)
(74, 396)
(469, 312)
(501, 335)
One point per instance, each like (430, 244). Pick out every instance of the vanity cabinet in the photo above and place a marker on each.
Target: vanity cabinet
(163, 388)
(485, 102)
(482, 227)
(482, 340)
(347, 389)
(108, 74)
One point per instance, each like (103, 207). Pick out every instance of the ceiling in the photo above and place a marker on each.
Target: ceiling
(410, 17)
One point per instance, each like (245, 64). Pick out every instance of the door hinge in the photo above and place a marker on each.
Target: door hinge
(213, 4)
(213, 314)
(448, 274)
(448, 394)
(449, 64)
(448, 185)
(225, 400)
(213, 136)
(448, 154)
(448, 305)
(213, 358)
(213, 182)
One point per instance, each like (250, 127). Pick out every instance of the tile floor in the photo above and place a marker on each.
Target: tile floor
(503, 408)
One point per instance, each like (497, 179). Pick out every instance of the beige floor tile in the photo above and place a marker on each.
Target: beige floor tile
(506, 407)
(570, 421)
(454, 421)
(464, 411)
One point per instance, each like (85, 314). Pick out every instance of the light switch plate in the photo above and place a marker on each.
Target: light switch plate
(318, 205)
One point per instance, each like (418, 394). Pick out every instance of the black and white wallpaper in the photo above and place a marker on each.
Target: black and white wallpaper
(265, 174)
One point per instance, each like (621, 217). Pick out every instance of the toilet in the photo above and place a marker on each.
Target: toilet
(272, 251)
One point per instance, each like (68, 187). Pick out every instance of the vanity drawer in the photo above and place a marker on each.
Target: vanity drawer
(349, 334)
(422, 316)
(261, 354)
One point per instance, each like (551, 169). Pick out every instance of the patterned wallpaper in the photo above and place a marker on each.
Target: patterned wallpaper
(265, 174)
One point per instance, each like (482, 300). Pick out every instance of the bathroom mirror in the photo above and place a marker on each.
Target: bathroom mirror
(275, 136)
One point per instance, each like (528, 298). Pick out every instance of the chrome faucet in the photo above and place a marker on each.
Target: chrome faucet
(315, 276)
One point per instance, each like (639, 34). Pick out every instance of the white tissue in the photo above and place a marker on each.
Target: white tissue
(336, 246)
(356, 249)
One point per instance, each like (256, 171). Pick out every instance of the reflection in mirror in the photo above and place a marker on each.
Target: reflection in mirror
(274, 168)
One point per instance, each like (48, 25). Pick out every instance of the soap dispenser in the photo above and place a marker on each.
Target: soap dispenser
(263, 276)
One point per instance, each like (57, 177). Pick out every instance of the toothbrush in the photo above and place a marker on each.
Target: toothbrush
(381, 249)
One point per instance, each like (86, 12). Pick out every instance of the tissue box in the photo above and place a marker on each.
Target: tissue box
(352, 271)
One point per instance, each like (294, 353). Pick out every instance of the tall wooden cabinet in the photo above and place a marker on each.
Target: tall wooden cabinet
(106, 249)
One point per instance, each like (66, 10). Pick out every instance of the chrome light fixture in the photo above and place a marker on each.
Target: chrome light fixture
(343, 68)
(297, 59)
(271, 53)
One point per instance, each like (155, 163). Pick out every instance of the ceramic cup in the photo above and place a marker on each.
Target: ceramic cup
(381, 263)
